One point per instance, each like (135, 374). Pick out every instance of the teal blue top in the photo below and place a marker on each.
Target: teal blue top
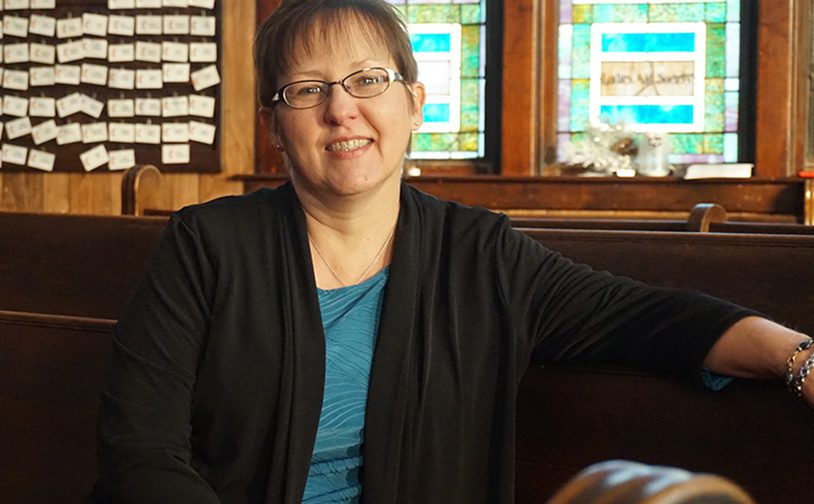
(350, 317)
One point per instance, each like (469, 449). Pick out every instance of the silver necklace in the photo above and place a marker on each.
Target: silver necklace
(367, 270)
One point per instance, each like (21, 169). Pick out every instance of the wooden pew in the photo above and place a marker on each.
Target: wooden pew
(65, 278)
(750, 432)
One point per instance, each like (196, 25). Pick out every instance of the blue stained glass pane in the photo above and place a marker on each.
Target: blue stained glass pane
(648, 42)
(436, 112)
(647, 114)
(431, 42)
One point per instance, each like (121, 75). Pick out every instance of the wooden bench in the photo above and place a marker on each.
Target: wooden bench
(65, 278)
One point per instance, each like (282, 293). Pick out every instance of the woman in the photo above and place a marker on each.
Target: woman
(346, 336)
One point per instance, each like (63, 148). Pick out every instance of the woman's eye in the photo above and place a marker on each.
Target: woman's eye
(309, 90)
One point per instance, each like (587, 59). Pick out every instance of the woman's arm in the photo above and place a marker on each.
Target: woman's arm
(755, 347)
(145, 452)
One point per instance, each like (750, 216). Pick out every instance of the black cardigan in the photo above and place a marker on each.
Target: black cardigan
(214, 388)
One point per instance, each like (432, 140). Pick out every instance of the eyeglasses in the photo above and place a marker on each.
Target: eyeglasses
(364, 83)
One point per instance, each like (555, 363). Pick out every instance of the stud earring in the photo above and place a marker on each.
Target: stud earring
(279, 147)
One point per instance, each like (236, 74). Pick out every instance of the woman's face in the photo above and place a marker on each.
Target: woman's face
(346, 145)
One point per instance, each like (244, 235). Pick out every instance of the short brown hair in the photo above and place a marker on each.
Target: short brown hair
(294, 27)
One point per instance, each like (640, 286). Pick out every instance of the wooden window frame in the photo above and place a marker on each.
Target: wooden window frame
(529, 134)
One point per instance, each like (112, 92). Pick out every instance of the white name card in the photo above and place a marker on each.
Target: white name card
(148, 51)
(148, 134)
(205, 78)
(42, 53)
(203, 26)
(70, 51)
(94, 132)
(94, 158)
(69, 28)
(122, 107)
(42, 76)
(93, 74)
(176, 25)
(14, 154)
(16, 80)
(41, 160)
(175, 72)
(203, 52)
(42, 25)
(69, 105)
(44, 132)
(15, 106)
(149, 79)
(43, 4)
(149, 107)
(121, 159)
(175, 132)
(94, 48)
(42, 106)
(175, 51)
(91, 106)
(121, 25)
(120, 53)
(174, 106)
(148, 25)
(202, 132)
(148, 4)
(15, 26)
(205, 4)
(175, 3)
(16, 4)
(122, 78)
(121, 4)
(16, 53)
(18, 127)
(67, 74)
(121, 132)
(175, 154)
(202, 106)
(94, 24)
(68, 134)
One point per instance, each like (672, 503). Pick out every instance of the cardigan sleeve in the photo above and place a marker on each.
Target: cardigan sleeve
(145, 412)
(568, 312)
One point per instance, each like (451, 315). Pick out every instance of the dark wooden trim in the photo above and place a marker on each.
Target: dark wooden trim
(774, 89)
(764, 199)
(518, 130)
(46, 320)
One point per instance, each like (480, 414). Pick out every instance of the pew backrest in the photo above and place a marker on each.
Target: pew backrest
(75, 265)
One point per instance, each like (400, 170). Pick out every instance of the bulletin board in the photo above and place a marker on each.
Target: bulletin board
(103, 85)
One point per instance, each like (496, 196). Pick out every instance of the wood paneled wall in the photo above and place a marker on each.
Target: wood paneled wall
(100, 193)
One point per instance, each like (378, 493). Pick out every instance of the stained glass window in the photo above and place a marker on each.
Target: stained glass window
(448, 38)
(655, 66)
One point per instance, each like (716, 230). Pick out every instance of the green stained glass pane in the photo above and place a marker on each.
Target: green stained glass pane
(621, 13)
(470, 13)
(581, 52)
(470, 98)
(715, 105)
(687, 143)
(434, 13)
(468, 142)
(580, 99)
(583, 13)
(714, 144)
(403, 10)
(684, 12)
(716, 12)
(470, 50)
(716, 50)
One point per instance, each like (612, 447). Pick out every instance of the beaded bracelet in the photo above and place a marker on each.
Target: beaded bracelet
(801, 377)
(791, 383)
